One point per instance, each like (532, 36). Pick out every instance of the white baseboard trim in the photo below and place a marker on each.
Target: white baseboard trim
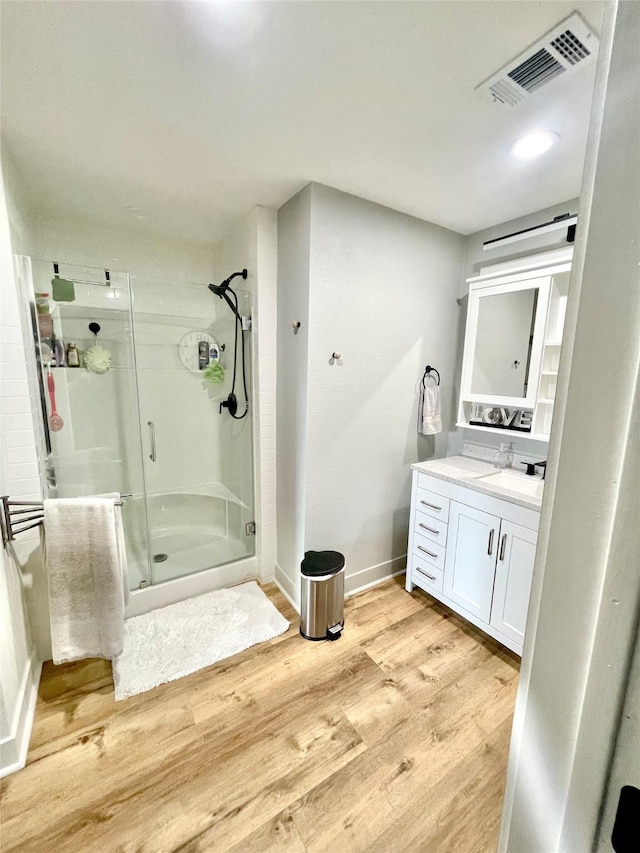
(374, 575)
(286, 587)
(373, 583)
(353, 584)
(13, 749)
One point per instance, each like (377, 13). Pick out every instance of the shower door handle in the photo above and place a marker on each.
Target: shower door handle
(152, 439)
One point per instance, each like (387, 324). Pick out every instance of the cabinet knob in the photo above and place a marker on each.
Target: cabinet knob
(336, 355)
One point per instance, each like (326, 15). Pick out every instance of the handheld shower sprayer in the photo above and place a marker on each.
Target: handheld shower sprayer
(223, 290)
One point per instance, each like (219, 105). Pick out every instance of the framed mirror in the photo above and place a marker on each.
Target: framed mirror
(504, 341)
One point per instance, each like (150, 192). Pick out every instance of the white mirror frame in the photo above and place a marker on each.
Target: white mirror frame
(488, 288)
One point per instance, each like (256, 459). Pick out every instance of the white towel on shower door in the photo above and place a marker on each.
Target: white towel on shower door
(86, 568)
(429, 416)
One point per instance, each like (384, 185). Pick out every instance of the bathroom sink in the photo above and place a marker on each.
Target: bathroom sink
(532, 487)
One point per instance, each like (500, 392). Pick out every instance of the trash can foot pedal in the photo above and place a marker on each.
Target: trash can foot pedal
(335, 633)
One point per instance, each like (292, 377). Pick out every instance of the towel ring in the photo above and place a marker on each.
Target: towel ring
(427, 373)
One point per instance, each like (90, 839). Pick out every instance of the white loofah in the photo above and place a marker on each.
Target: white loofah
(97, 359)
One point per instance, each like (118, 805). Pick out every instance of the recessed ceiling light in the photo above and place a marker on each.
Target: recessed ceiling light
(137, 212)
(534, 144)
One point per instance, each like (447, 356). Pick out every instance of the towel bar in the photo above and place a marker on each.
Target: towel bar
(31, 515)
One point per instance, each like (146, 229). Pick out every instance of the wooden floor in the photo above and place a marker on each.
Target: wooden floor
(393, 738)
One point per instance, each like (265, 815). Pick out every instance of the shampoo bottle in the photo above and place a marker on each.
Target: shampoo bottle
(73, 356)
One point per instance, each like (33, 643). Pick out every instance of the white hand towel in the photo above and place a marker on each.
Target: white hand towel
(429, 417)
(86, 566)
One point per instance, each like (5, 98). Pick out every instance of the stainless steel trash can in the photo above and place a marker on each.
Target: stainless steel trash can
(322, 611)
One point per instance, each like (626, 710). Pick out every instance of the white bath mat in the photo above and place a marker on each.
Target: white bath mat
(174, 641)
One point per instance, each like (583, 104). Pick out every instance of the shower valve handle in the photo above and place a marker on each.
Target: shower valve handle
(230, 403)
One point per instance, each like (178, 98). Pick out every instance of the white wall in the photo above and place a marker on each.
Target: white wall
(19, 478)
(583, 614)
(75, 242)
(252, 244)
(294, 223)
(264, 423)
(382, 291)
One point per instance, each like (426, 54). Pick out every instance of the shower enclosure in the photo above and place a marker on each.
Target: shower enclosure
(151, 426)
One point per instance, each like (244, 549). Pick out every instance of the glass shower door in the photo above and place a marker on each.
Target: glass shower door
(197, 458)
(98, 449)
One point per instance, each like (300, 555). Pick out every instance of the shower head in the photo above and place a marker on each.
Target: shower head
(220, 289)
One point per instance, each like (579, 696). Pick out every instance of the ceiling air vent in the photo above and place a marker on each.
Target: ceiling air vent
(563, 50)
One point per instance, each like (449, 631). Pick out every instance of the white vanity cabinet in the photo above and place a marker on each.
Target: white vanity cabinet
(471, 560)
(512, 587)
(475, 553)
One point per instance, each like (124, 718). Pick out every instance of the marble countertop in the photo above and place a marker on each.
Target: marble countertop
(465, 471)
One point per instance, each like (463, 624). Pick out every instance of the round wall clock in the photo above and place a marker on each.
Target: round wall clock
(197, 350)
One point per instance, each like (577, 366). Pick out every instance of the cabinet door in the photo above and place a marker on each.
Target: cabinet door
(471, 559)
(516, 555)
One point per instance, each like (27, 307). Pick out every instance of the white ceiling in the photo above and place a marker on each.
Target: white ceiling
(197, 111)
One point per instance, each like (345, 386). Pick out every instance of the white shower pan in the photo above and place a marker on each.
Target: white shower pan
(187, 531)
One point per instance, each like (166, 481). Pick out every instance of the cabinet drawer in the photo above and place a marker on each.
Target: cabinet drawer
(425, 576)
(434, 505)
(428, 551)
(433, 528)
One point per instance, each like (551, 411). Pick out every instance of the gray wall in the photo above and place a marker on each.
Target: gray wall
(383, 291)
